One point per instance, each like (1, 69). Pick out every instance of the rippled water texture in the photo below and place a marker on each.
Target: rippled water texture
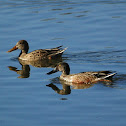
(94, 32)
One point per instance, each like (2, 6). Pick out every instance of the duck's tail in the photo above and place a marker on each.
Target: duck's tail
(57, 53)
(60, 51)
(109, 76)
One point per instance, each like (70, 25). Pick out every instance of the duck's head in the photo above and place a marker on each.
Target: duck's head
(63, 67)
(22, 45)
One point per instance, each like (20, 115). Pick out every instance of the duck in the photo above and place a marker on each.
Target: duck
(37, 54)
(83, 77)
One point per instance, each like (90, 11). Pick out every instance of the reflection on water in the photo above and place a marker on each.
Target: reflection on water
(65, 91)
(66, 87)
(42, 63)
(25, 72)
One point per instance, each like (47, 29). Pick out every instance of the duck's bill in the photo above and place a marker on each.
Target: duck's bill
(14, 48)
(53, 71)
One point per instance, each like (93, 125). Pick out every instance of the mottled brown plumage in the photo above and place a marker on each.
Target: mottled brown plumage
(37, 54)
(84, 77)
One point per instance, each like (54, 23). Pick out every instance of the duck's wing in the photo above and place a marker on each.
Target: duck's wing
(45, 53)
(101, 74)
(55, 49)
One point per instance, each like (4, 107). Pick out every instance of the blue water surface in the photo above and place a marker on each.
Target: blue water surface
(94, 32)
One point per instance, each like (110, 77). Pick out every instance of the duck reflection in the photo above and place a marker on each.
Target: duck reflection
(42, 63)
(66, 87)
(24, 73)
(65, 91)
(25, 70)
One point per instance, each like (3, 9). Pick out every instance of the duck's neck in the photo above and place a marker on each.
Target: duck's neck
(65, 72)
(23, 52)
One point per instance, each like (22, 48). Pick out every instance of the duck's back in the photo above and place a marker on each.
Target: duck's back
(39, 55)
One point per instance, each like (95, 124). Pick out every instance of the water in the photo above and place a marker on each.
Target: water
(94, 32)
